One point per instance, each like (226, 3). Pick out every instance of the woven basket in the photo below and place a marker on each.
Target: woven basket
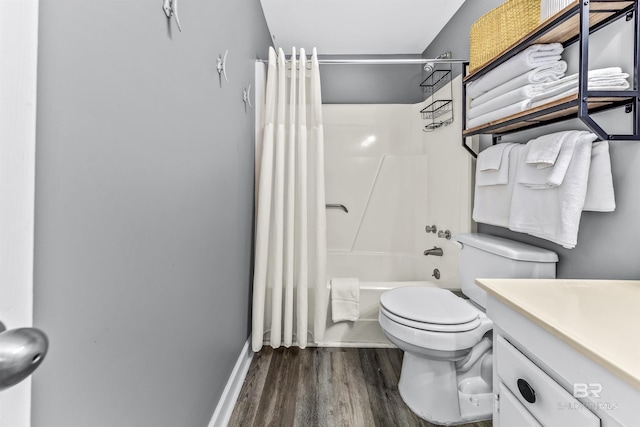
(500, 28)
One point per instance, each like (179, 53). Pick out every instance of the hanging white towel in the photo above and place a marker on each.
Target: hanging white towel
(600, 195)
(491, 158)
(492, 203)
(554, 213)
(499, 175)
(543, 151)
(544, 178)
(345, 299)
(544, 74)
(532, 57)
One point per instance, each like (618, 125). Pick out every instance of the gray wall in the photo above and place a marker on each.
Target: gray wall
(608, 243)
(454, 37)
(372, 84)
(143, 209)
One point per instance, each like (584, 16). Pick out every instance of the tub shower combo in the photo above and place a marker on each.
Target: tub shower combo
(393, 196)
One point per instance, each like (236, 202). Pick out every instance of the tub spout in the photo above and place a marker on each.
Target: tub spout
(435, 251)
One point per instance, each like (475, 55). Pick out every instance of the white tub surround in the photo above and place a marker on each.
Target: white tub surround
(582, 334)
(393, 180)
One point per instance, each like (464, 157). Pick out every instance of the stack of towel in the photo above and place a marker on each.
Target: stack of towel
(503, 92)
(540, 63)
(541, 188)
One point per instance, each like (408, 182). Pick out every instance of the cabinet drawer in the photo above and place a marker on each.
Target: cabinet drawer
(512, 412)
(545, 399)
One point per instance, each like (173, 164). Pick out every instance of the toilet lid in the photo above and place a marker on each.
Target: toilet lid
(428, 305)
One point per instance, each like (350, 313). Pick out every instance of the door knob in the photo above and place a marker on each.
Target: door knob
(22, 350)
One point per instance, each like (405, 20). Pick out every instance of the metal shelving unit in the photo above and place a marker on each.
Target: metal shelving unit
(573, 24)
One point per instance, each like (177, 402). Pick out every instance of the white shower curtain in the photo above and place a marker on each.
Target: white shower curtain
(289, 284)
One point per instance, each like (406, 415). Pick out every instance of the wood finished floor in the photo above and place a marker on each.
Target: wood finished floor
(349, 387)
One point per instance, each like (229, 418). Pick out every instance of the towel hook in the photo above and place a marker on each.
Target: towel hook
(221, 67)
(170, 8)
(246, 97)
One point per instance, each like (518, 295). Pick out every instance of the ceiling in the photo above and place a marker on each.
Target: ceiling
(372, 27)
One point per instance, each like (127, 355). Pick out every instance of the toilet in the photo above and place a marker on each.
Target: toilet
(446, 373)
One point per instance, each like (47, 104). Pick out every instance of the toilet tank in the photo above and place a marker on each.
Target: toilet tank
(485, 256)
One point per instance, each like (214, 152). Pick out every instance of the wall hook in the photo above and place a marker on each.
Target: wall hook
(221, 67)
(170, 8)
(246, 97)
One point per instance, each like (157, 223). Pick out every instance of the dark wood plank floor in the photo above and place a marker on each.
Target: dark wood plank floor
(322, 387)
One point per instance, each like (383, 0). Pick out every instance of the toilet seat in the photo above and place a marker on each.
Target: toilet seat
(432, 327)
(423, 341)
(429, 309)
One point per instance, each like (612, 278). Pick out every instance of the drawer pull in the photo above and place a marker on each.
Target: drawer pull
(526, 391)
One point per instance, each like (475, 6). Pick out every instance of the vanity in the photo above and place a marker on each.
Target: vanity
(566, 352)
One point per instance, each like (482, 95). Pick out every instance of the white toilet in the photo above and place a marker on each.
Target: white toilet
(447, 366)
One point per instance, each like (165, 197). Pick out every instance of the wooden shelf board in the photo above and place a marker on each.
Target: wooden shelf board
(537, 115)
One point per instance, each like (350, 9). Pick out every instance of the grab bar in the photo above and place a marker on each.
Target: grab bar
(337, 206)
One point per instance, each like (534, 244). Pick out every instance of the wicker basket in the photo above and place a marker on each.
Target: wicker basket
(500, 28)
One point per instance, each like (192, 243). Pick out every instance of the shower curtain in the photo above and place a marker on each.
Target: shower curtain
(289, 284)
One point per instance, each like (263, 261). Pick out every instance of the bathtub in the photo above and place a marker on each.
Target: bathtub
(366, 331)
(378, 272)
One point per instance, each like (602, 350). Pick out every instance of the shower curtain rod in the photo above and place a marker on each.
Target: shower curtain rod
(353, 61)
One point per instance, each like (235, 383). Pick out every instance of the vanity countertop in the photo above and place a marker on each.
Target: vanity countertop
(598, 318)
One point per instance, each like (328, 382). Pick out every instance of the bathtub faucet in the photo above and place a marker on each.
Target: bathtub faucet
(435, 251)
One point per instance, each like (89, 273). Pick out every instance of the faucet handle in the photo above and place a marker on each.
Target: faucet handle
(446, 234)
(431, 228)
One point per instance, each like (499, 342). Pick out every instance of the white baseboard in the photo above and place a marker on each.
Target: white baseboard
(227, 401)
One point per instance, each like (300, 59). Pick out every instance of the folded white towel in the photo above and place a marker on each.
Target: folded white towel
(532, 57)
(544, 74)
(500, 175)
(611, 78)
(560, 87)
(543, 151)
(565, 94)
(491, 158)
(600, 195)
(504, 100)
(554, 214)
(574, 90)
(345, 299)
(544, 93)
(499, 114)
(607, 71)
(610, 84)
(532, 92)
(492, 203)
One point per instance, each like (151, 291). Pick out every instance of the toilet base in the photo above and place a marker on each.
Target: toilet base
(430, 389)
